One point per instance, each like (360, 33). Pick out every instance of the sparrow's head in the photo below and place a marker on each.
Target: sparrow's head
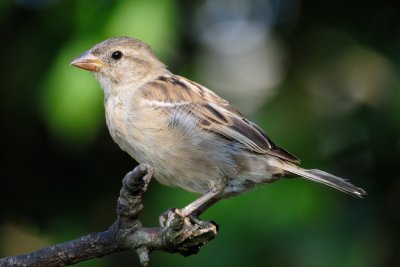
(120, 61)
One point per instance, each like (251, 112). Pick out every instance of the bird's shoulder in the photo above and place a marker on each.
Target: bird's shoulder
(175, 89)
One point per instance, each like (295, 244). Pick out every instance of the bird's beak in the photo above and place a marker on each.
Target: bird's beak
(88, 61)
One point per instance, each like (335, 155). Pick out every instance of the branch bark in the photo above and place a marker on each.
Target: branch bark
(177, 234)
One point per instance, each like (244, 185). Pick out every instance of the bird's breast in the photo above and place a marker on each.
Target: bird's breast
(117, 119)
(137, 130)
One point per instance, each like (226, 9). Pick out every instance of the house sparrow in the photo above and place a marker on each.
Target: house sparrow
(188, 135)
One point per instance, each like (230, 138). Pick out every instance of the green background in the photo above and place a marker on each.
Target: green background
(336, 106)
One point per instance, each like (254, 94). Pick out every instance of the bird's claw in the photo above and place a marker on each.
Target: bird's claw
(166, 217)
(172, 216)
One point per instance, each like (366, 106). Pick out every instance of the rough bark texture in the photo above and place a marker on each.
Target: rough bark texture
(177, 234)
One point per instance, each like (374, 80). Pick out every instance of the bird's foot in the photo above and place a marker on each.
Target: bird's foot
(169, 217)
(166, 217)
(195, 219)
(187, 233)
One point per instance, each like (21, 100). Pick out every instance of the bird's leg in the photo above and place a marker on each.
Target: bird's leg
(194, 209)
(200, 205)
(194, 216)
(206, 205)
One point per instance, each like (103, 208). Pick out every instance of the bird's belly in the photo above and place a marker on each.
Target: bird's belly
(176, 160)
(195, 161)
(180, 165)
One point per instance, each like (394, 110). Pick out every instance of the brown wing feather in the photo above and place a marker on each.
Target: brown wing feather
(275, 150)
(213, 113)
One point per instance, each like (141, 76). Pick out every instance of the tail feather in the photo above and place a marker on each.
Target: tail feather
(325, 178)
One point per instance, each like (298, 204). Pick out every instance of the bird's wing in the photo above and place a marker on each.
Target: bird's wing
(176, 94)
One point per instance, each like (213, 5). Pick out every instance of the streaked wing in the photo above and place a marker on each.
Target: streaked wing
(177, 94)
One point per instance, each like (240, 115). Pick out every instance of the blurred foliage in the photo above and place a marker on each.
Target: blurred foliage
(332, 97)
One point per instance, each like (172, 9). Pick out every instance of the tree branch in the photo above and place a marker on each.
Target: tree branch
(177, 234)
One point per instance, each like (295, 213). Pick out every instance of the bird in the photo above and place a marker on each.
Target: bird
(188, 135)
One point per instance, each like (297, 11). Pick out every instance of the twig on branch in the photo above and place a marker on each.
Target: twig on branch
(178, 234)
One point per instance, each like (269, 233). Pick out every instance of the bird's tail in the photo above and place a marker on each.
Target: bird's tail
(324, 178)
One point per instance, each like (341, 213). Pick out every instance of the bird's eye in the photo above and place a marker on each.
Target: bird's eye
(116, 55)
